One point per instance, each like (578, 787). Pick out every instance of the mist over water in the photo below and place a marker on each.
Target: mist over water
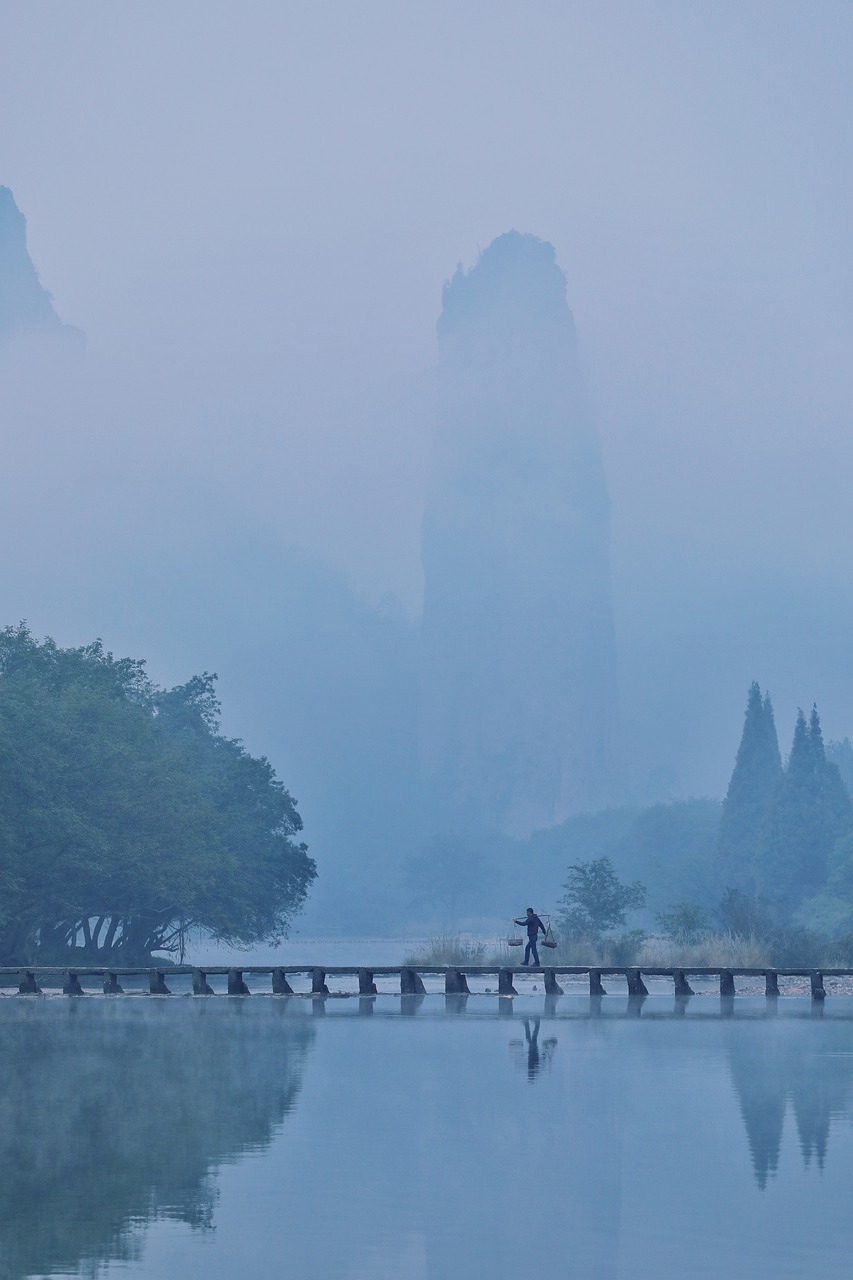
(428, 1138)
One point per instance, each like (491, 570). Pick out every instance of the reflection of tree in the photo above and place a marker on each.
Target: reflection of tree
(758, 1077)
(113, 1114)
(794, 1061)
(819, 1088)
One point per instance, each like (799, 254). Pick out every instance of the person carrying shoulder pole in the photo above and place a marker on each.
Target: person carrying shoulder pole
(534, 924)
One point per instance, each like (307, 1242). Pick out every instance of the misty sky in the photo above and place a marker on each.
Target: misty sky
(251, 210)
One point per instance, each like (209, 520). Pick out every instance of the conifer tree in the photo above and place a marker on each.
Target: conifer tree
(752, 792)
(812, 811)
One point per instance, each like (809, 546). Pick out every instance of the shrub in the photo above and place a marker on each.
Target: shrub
(684, 924)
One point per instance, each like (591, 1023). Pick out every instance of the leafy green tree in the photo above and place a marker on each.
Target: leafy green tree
(751, 794)
(685, 923)
(739, 913)
(127, 818)
(595, 901)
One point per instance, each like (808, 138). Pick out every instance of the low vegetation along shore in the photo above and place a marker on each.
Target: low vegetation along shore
(730, 950)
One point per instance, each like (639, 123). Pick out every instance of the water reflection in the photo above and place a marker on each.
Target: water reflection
(784, 1072)
(401, 1157)
(529, 1055)
(115, 1113)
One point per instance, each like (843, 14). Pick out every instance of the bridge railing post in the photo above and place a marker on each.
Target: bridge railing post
(410, 983)
(27, 985)
(771, 982)
(505, 987)
(455, 983)
(636, 986)
(818, 991)
(201, 987)
(280, 985)
(71, 985)
(366, 985)
(682, 986)
(552, 986)
(727, 983)
(236, 985)
(112, 986)
(595, 987)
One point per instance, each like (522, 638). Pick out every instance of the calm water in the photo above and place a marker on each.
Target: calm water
(204, 1139)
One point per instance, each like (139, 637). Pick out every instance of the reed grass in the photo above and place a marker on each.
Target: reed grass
(448, 948)
(731, 950)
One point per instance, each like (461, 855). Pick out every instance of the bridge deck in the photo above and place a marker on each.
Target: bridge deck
(440, 970)
(410, 977)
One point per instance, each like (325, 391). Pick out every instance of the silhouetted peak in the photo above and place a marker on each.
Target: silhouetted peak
(25, 305)
(515, 284)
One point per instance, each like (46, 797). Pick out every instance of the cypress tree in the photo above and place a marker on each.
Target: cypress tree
(812, 811)
(751, 795)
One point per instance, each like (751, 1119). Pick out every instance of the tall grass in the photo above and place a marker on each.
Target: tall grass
(731, 950)
(448, 948)
(726, 949)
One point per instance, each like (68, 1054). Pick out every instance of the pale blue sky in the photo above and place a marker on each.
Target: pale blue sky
(251, 209)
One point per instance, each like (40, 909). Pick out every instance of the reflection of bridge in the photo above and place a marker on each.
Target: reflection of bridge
(410, 978)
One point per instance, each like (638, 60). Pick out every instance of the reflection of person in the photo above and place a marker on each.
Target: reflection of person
(532, 1048)
(534, 924)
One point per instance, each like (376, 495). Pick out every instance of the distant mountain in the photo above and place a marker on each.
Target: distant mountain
(519, 718)
(26, 307)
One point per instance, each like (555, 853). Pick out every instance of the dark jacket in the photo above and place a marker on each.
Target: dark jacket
(534, 924)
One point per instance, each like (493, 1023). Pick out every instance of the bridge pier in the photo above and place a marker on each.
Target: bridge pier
(818, 992)
(682, 986)
(280, 985)
(112, 986)
(410, 983)
(366, 985)
(201, 987)
(771, 982)
(727, 983)
(236, 985)
(157, 983)
(552, 986)
(505, 987)
(636, 986)
(71, 985)
(318, 982)
(595, 987)
(27, 986)
(455, 983)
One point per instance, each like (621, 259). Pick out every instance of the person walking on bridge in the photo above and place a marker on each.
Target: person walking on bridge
(534, 924)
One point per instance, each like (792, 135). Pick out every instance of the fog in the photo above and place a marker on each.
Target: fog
(251, 213)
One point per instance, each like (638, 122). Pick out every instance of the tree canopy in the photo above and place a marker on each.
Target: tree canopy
(751, 794)
(127, 818)
(595, 899)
